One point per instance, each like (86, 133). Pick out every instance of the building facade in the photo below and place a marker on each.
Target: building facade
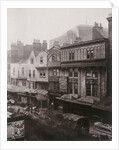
(85, 65)
(54, 72)
(42, 71)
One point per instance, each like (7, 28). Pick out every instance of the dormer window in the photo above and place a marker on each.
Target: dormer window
(41, 60)
(31, 60)
(54, 58)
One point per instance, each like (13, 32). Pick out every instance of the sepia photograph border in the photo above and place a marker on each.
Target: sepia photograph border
(4, 144)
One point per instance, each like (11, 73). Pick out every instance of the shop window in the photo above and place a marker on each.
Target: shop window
(70, 74)
(91, 82)
(94, 89)
(76, 88)
(31, 60)
(56, 86)
(91, 89)
(70, 88)
(88, 89)
(75, 73)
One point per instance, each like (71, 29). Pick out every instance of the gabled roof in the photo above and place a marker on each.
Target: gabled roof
(53, 48)
(36, 52)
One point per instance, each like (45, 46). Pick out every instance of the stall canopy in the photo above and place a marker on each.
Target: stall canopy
(105, 104)
(16, 89)
(41, 94)
(27, 90)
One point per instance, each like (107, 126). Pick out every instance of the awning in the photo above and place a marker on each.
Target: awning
(40, 91)
(30, 90)
(74, 101)
(105, 104)
(13, 88)
(41, 94)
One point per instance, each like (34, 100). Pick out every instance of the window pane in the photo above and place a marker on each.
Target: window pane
(75, 88)
(75, 74)
(70, 74)
(95, 74)
(88, 74)
(88, 89)
(94, 89)
(70, 88)
(32, 61)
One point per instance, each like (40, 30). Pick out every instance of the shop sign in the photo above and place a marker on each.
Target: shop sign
(63, 84)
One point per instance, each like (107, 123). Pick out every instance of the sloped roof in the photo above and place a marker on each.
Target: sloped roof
(36, 52)
(105, 104)
(85, 32)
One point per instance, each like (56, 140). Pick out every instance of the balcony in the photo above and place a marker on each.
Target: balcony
(85, 63)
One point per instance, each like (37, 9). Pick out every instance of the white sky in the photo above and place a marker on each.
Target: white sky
(26, 24)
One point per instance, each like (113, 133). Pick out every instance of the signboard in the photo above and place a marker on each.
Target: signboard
(63, 84)
(15, 130)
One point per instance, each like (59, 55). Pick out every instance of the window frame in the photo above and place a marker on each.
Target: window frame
(90, 80)
(41, 60)
(31, 60)
(33, 73)
(29, 73)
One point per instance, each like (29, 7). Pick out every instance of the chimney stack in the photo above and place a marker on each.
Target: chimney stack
(44, 45)
(36, 44)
